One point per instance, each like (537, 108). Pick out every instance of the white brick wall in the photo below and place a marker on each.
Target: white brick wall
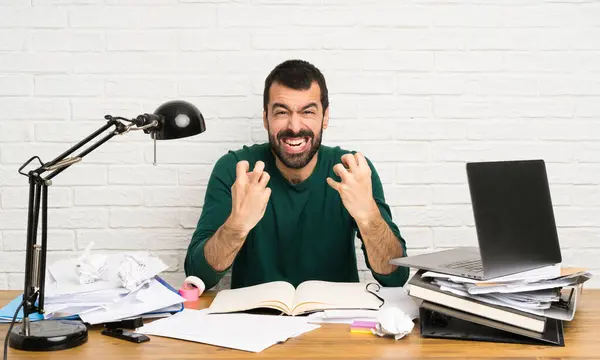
(420, 87)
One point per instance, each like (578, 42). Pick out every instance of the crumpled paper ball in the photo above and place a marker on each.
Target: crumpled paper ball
(91, 268)
(133, 272)
(393, 322)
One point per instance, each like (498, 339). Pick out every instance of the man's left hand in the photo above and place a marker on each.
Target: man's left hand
(355, 189)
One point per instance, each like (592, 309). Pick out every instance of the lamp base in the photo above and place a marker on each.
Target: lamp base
(49, 335)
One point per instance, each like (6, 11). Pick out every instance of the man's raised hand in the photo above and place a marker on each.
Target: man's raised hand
(355, 189)
(249, 196)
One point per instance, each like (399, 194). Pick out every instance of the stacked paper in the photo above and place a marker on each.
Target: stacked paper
(106, 298)
(551, 292)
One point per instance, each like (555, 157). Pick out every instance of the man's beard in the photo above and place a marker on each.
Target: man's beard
(295, 161)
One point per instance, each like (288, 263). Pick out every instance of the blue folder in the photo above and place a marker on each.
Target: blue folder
(8, 311)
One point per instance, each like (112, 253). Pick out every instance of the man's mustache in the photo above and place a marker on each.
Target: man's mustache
(290, 134)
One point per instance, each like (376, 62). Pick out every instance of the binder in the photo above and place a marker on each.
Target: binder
(437, 321)
(427, 291)
(171, 310)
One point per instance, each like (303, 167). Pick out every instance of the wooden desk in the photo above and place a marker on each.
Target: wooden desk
(334, 341)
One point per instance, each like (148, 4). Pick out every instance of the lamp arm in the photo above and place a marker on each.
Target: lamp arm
(35, 257)
(172, 120)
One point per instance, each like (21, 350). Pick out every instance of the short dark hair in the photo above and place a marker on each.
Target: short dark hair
(298, 75)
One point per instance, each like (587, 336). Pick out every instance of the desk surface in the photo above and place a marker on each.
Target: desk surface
(334, 341)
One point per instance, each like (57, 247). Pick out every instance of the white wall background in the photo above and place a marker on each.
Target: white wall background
(419, 86)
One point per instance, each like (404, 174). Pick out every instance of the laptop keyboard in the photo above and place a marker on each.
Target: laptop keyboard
(470, 265)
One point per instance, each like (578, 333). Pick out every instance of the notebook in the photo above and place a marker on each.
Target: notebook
(309, 296)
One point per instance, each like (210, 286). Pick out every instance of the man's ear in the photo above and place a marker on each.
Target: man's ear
(326, 118)
(265, 124)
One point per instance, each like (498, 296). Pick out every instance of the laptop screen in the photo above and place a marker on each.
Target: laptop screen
(513, 214)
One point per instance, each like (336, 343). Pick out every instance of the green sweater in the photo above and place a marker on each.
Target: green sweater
(306, 232)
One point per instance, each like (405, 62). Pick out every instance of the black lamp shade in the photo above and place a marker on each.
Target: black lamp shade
(179, 119)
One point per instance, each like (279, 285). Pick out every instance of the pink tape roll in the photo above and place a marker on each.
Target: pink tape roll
(192, 288)
(190, 293)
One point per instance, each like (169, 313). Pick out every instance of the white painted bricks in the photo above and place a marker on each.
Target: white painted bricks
(421, 87)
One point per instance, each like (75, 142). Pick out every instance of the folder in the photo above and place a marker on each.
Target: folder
(425, 290)
(437, 321)
(8, 311)
(171, 310)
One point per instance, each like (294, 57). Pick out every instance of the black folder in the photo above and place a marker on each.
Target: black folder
(437, 321)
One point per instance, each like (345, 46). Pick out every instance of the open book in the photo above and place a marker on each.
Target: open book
(310, 296)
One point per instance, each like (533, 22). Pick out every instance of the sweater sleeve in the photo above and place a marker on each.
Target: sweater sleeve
(399, 276)
(216, 209)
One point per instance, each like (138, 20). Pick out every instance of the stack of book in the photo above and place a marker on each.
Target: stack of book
(526, 310)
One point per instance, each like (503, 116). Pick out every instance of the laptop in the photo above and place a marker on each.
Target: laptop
(514, 220)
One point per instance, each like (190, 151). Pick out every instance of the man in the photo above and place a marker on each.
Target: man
(289, 209)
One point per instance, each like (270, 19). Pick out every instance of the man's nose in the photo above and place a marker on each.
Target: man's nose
(295, 122)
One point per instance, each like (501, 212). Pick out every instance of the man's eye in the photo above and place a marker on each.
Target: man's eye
(309, 112)
(279, 112)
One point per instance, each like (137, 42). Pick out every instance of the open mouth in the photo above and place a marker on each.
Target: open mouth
(295, 144)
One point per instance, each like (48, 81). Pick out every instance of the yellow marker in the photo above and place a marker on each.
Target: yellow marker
(361, 331)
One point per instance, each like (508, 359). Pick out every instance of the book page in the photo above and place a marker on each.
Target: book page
(320, 295)
(277, 295)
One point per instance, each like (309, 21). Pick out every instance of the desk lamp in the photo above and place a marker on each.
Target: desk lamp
(172, 120)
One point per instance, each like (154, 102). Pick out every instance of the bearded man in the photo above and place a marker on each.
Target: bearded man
(290, 209)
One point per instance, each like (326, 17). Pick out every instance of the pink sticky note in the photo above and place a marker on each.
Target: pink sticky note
(364, 324)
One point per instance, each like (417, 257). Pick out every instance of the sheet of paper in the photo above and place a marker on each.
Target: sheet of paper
(245, 332)
(60, 311)
(538, 303)
(549, 295)
(321, 318)
(147, 299)
(574, 279)
(494, 301)
(522, 304)
(343, 316)
(348, 314)
(547, 272)
(99, 296)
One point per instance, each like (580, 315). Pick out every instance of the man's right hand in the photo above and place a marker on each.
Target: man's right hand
(249, 197)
